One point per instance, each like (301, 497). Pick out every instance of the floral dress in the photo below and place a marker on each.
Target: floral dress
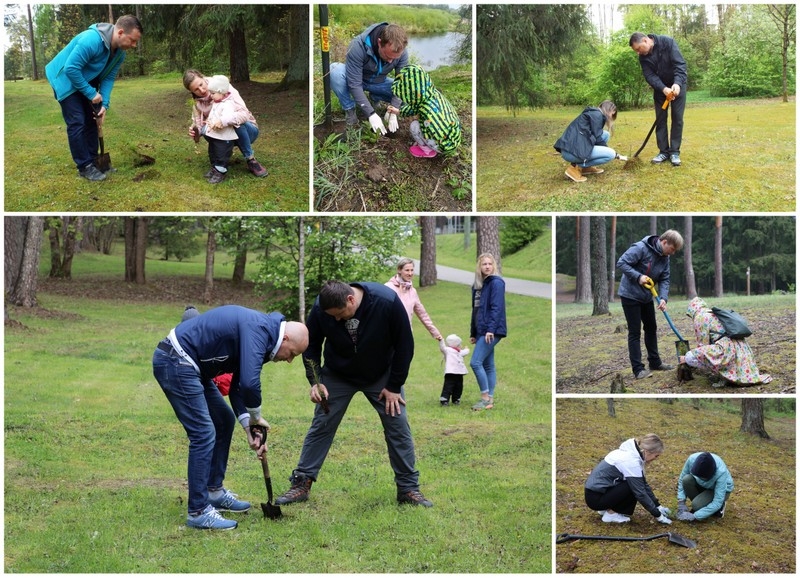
(731, 359)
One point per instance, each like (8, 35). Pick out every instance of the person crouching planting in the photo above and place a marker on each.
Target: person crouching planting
(584, 143)
(437, 128)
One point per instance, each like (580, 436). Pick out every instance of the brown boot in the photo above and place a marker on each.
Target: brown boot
(592, 171)
(301, 487)
(574, 173)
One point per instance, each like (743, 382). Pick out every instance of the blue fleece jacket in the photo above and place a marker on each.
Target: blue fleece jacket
(383, 340)
(86, 65)
(233, 339)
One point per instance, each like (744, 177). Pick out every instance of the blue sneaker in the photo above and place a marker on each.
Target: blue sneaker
(227, 502)
(210, 519)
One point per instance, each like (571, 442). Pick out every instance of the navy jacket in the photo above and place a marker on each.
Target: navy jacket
(384, 341)
(664, 66)
(582, 133)
(644, 258)
(232, 339)
(489, 308)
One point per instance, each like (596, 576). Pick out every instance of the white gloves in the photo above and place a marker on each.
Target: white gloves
(621, 157)
(391, 120)
(663, 519)
(376, 123)
(664, 510)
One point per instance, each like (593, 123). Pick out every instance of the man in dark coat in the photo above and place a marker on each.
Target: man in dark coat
(664, 70)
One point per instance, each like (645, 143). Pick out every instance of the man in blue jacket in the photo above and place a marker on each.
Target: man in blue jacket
(706, 481)
(371, 56)
(82, 76)
(362, 331)
(228, 339)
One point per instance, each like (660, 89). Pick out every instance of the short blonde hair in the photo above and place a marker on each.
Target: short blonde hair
(672, 237)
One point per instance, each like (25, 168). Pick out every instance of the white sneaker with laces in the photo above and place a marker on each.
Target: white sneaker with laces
(615, 518)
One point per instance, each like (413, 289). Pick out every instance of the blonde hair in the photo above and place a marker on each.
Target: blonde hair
(651, 443)
(609, 110)
(219, 84)
(478, 274)
(672, 237)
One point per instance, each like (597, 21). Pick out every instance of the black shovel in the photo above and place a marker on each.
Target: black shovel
(270, 510)
(673, 538)
(103, 160)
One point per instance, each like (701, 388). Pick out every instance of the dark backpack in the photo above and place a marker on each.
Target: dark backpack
(733, 325)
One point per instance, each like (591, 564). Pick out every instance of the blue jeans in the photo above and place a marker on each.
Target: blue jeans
(482, 364)
(396, 431)
(601, 154)
(247, 133)
(209, 423)
(378, 91)
(81, 129)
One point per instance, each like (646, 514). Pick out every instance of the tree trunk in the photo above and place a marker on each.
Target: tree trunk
(297, 71)
(23, 293)
(427, 252)
(301, 266)
(718, 257)
(211, 249)
(612, 261)
(753, 417)
(35, 74)
(240, 260)
(598, 266)
(54, 224)
(237, 44)
(583, 278)
(488, 238)
(141, 249)
(653, 225)
(130, 249)
(688, 268)
(13, 248)
(467, 231)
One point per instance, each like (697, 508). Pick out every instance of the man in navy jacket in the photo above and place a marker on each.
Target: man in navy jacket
(228, 339)
(362, 331)
(664, 70)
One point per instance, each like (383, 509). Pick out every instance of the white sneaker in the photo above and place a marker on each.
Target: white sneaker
(615, 518)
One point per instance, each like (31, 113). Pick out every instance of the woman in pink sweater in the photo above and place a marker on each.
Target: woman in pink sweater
(401, 284)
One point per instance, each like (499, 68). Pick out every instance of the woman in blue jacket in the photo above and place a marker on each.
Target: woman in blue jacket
(488, 326)
(646, 261)
(585, 142)
(706, 481)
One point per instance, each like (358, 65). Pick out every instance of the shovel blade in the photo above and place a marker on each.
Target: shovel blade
(681, 541)
(270, 511)
(103, 163)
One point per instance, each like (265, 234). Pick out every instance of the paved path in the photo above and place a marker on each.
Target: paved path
(518, 286)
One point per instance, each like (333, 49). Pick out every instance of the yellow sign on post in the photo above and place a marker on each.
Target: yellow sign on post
(324, 38)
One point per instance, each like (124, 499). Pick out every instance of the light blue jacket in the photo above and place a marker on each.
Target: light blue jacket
(721, 484)
(86, 61)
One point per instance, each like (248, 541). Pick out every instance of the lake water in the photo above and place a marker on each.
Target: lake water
(434, 51)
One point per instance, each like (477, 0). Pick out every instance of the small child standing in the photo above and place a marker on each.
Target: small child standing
(219, 133)
(437, 128)
(454, 369)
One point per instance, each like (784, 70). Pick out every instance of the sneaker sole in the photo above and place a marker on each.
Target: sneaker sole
(210, 528)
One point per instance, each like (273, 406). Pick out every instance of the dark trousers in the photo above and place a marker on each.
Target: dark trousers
(219, 152)
(453, 386)
(669, 141)
(619, 498)
(640, 315)
(396, 431)
(700, 496)
(81, 129)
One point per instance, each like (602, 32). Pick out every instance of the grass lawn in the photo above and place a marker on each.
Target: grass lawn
(151, 116)
(757, 534)
(738, 155)
(95, 460)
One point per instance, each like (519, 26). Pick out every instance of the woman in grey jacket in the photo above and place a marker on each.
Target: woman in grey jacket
(646, 261)
(618, 482)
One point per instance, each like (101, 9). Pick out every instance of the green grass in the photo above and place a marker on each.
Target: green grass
(757, 534)
(532, 263)
(152, 116)
(418, 20)
(738, 155)
(95, 459)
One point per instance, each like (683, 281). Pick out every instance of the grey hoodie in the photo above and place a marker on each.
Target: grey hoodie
(644, 257)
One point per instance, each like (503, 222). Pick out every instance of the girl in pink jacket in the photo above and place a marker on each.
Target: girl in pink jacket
(454, 369)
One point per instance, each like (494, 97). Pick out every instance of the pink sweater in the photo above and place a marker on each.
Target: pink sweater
(408, 295)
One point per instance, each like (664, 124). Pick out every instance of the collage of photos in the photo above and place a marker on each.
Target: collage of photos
(298, 288)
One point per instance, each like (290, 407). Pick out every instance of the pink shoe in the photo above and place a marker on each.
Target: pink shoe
(422, 152)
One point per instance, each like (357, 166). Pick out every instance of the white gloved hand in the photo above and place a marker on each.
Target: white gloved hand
(663, 519)
(376, 123)
(664, 510)
(391, 120)
(621, 157)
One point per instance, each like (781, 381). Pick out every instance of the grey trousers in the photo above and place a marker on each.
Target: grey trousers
(396, 431)
(700, 497)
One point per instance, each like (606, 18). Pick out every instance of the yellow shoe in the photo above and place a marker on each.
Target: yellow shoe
(592, 171)
(574, 173)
